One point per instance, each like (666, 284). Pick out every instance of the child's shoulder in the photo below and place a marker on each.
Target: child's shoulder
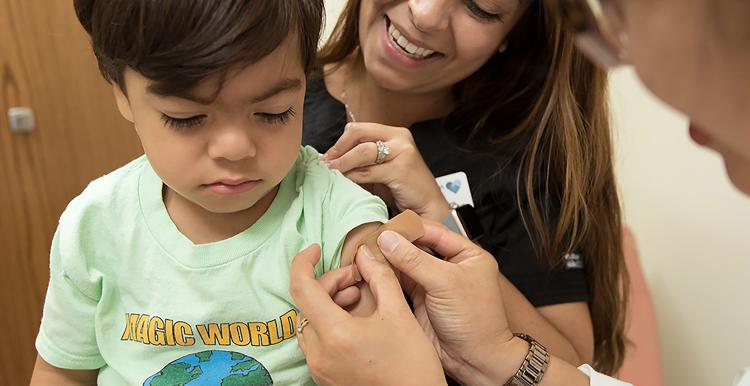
(314, 178)
(333, 205)
(106, 195)
(324, 187)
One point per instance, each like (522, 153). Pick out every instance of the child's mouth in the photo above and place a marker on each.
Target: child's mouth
(230, 187)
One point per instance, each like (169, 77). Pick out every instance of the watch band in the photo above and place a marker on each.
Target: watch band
(534, 365)
(464, 221)
(453, 222)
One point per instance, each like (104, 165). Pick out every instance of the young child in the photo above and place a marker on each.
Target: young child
(174, 269)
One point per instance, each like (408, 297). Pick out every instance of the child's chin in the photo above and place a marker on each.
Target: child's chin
(228, 208)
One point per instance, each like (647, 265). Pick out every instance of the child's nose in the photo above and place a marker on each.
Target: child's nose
(233, 143)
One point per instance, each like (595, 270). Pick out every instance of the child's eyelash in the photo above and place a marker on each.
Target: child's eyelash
(182, 123)
(281, 118)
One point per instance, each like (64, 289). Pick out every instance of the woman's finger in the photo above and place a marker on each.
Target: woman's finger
(383, 283)
(347, 297)
(373, 174)
(308, 341)
(363, 154)
(426, 270)
(356, 133)
(339, 279)
(312, 298)
(446, 243)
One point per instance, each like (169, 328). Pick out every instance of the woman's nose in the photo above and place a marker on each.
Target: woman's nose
(430, 15)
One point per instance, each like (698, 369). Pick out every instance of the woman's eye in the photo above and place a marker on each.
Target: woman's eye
(480, 13)
(280, 118)
(182, 124)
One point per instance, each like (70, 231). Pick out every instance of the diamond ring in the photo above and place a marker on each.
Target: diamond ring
(383, 151)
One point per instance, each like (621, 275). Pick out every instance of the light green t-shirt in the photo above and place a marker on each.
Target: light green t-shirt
(131, 295)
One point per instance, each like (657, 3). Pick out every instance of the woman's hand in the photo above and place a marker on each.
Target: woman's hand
(402, 180)
(458, 302)
(386, 348)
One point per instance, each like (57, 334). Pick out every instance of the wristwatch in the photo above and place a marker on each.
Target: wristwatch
(464, 220)
(534, 365)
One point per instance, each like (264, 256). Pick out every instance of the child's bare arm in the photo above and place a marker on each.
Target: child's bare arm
(46, 374)
(366, 304)
(407, 223)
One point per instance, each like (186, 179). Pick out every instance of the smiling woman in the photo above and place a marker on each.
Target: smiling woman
(494, 89)
(693, 55)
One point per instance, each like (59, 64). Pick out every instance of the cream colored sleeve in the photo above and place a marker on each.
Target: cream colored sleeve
(600, 379)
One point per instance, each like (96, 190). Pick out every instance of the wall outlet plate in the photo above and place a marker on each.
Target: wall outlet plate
(21, 119)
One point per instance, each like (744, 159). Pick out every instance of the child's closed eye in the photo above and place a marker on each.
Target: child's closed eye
(182, 124)
(280, 118)
(185, 124)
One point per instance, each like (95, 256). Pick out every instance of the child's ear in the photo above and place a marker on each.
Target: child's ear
(123, 104)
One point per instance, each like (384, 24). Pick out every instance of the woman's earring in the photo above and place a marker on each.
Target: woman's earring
(503, 47)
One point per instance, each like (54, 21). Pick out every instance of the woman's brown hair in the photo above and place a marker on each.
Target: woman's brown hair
(546, 101)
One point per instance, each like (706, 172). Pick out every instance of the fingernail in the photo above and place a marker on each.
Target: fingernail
(388, 241)
(324, 157)
(366, 251)
(355, 273)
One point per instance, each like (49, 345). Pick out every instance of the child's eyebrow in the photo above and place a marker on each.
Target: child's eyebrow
(285, 85)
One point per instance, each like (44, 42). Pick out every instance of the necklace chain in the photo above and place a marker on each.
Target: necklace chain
(349, 112)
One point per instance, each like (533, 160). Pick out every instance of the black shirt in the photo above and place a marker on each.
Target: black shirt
(492, 183)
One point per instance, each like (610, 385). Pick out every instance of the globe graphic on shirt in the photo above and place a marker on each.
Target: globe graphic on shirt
(225, 368)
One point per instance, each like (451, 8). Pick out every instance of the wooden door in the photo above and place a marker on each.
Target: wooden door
(45, 64)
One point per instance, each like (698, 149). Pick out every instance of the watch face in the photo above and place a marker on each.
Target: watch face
(470, 222)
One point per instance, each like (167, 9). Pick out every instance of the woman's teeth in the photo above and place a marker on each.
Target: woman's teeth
(409, 47)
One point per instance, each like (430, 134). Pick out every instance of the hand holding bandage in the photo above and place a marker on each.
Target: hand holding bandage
(457, 307)
(345, 349)
(408, 224)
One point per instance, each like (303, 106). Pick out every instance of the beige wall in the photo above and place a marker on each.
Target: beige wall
(333, 9)
(693, 230)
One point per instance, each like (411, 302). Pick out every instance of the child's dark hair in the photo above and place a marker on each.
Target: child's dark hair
(177, 43)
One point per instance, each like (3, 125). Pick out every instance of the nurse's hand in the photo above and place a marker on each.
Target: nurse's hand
(386, 348)
(459, 303)
(402, 180)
